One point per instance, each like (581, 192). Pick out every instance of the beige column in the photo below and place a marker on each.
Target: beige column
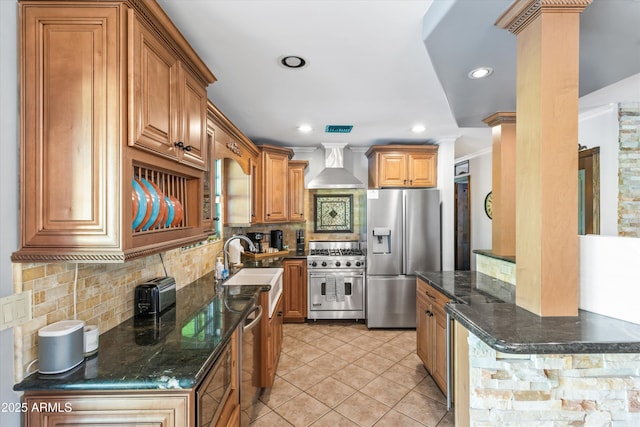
(503, 131)
(546, 153)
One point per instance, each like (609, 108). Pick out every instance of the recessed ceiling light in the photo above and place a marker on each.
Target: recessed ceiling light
(418, 128)
(305, 128)
(293, 61)
(480, 73)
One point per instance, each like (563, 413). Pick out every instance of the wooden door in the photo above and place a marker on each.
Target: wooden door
(70, 140)
(421, 170)
(462, 219)
(255, 198)
(272, 345)
(194, 117)
(275, 177)
(154, 96)
(439, 367)
(589, 191)
(392, 170)
(422, 330)
(139, 408)
(296, 190)
(295, 290)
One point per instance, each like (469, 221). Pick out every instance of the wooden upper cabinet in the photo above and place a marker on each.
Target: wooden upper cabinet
(194, 118)
(402, 166)
(153, 99)
(168, 106)
(296, 189)
(92, 75)
(275, 178)
(232, 144)
(70, 179)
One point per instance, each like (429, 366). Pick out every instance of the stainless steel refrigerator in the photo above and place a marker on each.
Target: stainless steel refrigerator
(403, 236)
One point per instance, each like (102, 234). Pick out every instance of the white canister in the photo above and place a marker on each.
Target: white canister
(91, 334)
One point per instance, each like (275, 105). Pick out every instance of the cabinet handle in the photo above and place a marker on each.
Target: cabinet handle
(216, 218)
(429, 313)
(280, 314)
(179, 144)
(187, 148)
(429, 295)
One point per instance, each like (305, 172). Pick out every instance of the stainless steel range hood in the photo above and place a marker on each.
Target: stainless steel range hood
(334, 175)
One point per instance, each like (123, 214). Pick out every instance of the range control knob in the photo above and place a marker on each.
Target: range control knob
(358, 263)
(348, 263)
(324, 263)
(313, 263)
(337, 263)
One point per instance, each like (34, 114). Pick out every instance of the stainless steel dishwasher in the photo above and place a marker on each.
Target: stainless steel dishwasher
(249, 356)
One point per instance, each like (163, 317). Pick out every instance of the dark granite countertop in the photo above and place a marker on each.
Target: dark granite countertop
(469, 287)
(510, 329)
(272, 261)
(173, 351)
(490, 254)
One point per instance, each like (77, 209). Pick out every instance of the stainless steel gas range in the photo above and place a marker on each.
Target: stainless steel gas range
(336, 280)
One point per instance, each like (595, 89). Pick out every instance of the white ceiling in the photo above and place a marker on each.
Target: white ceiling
(368, 66)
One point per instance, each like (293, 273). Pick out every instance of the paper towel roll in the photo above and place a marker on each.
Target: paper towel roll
(235, 251)
(91, 334)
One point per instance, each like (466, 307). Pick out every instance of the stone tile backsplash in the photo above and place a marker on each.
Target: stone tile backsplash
(104, 292)
(496, 268)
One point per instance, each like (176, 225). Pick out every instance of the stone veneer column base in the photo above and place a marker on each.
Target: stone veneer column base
(552, 390)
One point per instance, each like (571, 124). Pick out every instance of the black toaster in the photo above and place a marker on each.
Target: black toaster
(155, 296)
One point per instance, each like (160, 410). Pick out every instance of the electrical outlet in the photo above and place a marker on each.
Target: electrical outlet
(15, 309)
(505, 269)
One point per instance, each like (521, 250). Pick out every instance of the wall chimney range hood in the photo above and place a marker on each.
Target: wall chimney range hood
(334, 175)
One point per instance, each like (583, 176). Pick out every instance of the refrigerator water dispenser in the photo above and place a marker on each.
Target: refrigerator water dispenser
(382, 241)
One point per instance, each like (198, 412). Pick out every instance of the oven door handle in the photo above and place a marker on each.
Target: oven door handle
(348, 275)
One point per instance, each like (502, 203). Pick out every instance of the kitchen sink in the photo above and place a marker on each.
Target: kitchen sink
(260, 276)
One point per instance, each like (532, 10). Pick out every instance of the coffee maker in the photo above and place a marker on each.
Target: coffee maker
(256, 238)
(276, 239)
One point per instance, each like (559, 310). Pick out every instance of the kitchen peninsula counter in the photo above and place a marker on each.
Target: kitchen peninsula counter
(173, 351)
(486, 307)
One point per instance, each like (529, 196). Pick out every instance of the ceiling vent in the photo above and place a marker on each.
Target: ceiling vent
(338, 128)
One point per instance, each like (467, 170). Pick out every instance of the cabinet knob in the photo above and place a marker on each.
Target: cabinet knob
(410, 182)
(187, 148)
(179, 144)
(404, 181)
(280, 314)
(216, 218)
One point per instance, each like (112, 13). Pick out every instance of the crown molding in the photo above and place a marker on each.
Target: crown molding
(500, 118)
(522, 12)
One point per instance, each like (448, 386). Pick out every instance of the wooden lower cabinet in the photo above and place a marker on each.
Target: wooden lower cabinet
(214, 403)
(294, 290)
(431, 331)
(271, 341)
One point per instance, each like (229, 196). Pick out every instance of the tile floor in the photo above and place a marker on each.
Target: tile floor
(343, 374)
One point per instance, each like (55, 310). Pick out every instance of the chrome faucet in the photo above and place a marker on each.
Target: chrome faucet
(225, 250)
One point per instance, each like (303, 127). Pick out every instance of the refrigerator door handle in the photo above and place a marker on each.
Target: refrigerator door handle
(404, 255)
